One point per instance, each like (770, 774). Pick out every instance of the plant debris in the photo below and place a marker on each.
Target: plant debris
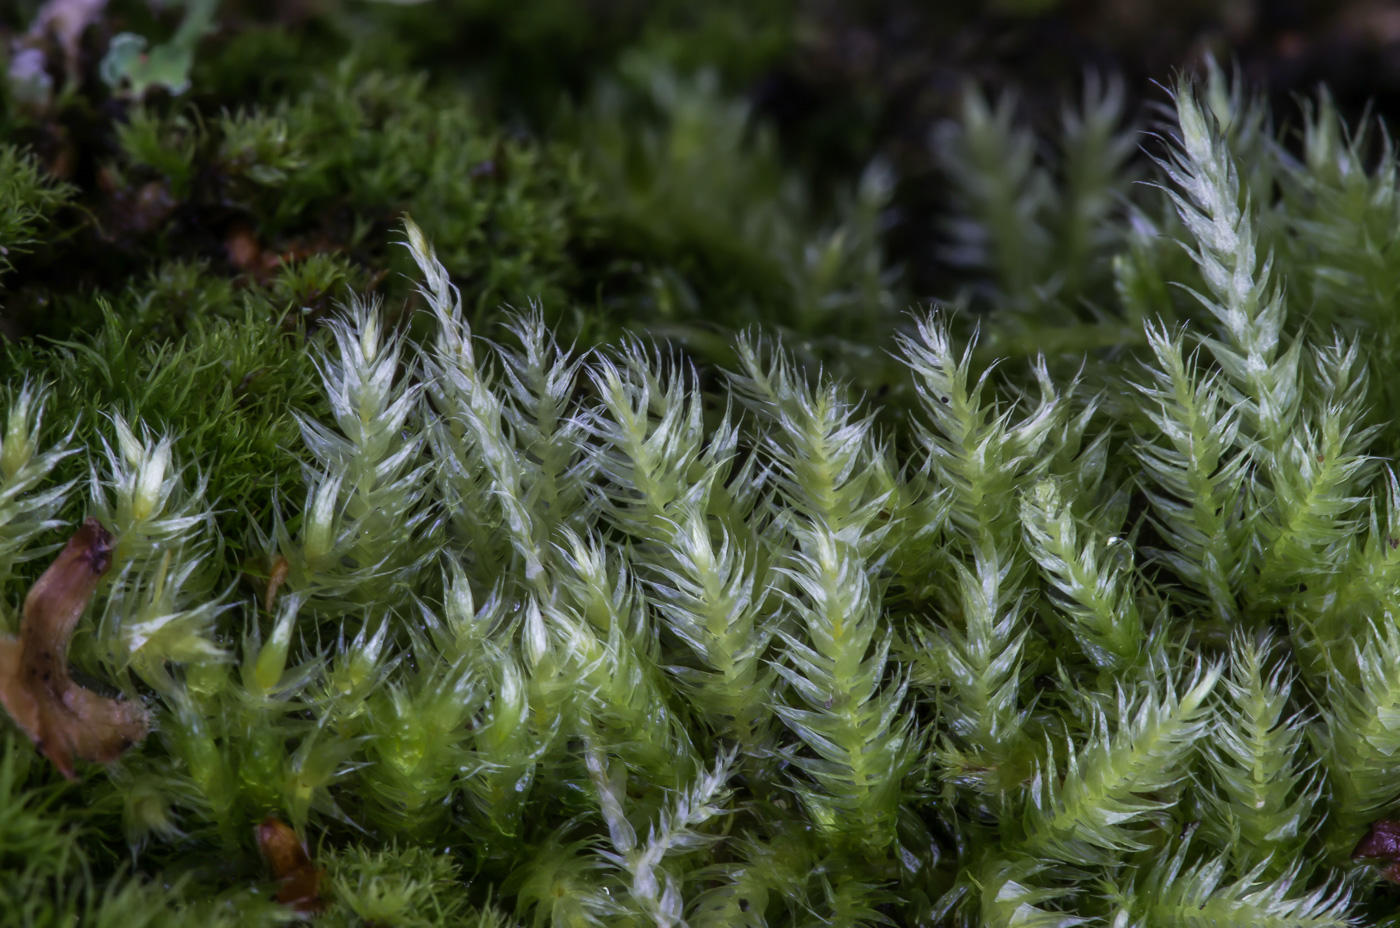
(280, 567)
(291, 866)
(1382, 842)
(63, 718)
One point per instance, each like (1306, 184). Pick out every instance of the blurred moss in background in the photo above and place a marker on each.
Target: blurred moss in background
(173, 172)
(542, 143)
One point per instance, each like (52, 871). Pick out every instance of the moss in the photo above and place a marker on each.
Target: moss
(228, 387)
(29, 202)
(287, 150)
(803, 615)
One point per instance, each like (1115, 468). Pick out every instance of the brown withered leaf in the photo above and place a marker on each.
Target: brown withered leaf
(63, 719)
(291, 866)
(247, 254)
(278, 576)
(1382, 842)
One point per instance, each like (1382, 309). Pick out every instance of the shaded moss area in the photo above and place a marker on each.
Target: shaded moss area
(623, 163)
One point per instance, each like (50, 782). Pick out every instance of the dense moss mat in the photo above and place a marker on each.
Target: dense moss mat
(624, 538)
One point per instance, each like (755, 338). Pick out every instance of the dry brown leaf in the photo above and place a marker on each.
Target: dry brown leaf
(62, 718)
(1382, 842)
(280, 567)
(247, 254)
(291, 866)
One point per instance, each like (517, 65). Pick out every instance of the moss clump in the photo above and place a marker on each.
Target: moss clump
(803, 616)
(28, 202)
